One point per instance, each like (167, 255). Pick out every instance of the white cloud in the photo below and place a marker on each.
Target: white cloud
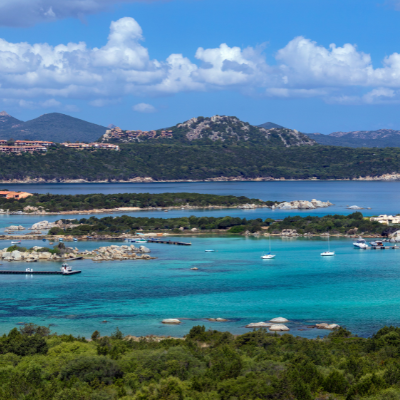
(144, 108)
(123, 66)
(30, 12)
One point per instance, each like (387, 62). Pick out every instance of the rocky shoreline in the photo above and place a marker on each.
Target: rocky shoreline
(110, 253)
(395, 176)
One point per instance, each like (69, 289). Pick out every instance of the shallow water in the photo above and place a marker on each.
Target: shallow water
(357, 289)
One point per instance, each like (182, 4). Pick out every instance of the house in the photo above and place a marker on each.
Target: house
(14, 195)
(387, 219)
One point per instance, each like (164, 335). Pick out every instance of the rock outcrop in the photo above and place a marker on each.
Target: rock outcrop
(303, 205)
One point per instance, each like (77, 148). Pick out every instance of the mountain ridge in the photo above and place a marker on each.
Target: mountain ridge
(54, 127)
(204, 130)
(375, 138)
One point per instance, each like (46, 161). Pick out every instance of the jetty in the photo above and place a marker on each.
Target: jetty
(38, 272)
(168, 242)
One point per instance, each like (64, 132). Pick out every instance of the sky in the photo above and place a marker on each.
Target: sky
(312, 65)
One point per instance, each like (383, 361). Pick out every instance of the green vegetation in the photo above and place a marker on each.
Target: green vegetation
(207, 365)
(175, 162)
(58, 202)
(334, 224)
(57, 249)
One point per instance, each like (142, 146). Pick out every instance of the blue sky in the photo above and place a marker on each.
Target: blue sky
(313, 65)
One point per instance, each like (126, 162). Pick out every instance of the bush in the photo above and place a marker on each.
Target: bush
(237, 229)
(89, 368)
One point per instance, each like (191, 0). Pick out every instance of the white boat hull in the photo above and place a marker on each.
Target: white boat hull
(328, 253)
(268, 257)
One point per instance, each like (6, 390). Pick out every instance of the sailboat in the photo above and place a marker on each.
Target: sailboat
(268, 256)
(329, 252)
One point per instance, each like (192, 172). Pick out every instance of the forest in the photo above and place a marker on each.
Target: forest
(36, 364)
(354, 223)
(201, 162)
(80, 202)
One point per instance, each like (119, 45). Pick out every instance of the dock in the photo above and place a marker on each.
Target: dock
(38, 272)
(168, 242)
(384, 248)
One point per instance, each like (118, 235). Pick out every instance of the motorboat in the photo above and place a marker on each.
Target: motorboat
(360, 244)
(378, 243)
(328, 253)
(209, 251)
(16, 242)
(60, 239)
(66, 269)
(75, 239)
(140, 241)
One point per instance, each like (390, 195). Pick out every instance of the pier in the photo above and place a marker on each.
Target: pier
(38, 272)
(168, 242)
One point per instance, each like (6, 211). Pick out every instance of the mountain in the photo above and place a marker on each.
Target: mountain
(269, 125)
(203, 131)
(53, 127)
(8, 122)
(378, 138)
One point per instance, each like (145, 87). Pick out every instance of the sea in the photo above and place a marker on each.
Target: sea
(355, 288)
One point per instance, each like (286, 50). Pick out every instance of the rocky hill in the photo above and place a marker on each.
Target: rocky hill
(201, 130)
(378, 138)
(53, 127)
(269, 125)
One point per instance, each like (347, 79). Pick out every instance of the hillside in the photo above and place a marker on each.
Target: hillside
(53, 127)
(378, 138)
(201, 130)
(178, 162)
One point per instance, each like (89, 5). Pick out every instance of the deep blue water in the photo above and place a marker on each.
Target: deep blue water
(381, 197)
(357, 289)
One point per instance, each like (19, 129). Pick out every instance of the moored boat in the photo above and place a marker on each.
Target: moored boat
(361, 244)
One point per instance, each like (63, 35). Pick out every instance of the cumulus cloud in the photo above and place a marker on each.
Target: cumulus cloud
(30, 12)
(144, 108)
(123, 66)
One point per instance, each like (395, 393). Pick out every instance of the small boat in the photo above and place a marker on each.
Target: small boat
(43, 240)
(209, 251)
(194, 268)
(377, 243)
(360, 244)
(268, 256)
(140, 241)
(60, 239)
(29, 270)
(165, 210)
(328, 253)
(51, 242)
(75, 239)
(66, 269)
(16, 242)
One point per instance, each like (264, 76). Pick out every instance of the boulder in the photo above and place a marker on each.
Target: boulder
(327, 326)
(144, 249)
(171, 321)
(279, 320)
(258, 325)
(44, 256)
(16, 255)
(278, 328)
(217, 319)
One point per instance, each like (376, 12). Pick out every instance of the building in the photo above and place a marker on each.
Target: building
(33, 143)
(21, 149)
(387, 219)
(81, 146)
(14, 195)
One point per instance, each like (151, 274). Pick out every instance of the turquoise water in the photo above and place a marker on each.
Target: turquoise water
(357, 289)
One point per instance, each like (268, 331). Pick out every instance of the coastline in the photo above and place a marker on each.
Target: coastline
(386, 177)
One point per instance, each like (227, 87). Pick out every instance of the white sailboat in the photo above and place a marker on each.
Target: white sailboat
(329, 252)
(268, 256)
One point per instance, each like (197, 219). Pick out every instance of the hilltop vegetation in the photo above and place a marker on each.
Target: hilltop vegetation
(207, 365)
(80, 202)
(195, 162)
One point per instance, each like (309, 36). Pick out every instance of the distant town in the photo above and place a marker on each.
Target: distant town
(32, 146)
(130, 136)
